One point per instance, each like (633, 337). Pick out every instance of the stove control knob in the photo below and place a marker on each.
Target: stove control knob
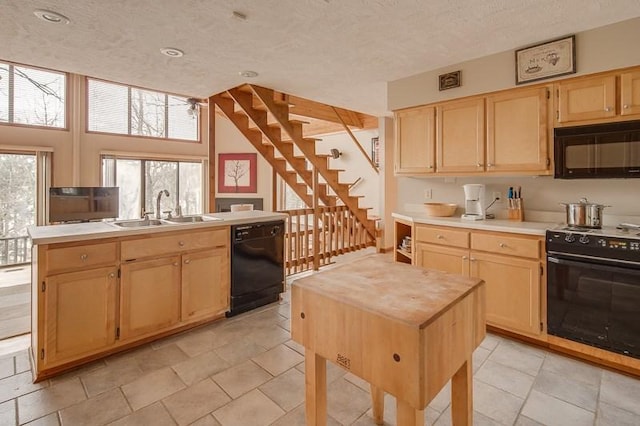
(584, 239)
(570, 238)
(602, 242)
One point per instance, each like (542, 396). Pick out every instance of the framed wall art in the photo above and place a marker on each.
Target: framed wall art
(375, 151)
(237, 173)
(449, 80)
(546, 60)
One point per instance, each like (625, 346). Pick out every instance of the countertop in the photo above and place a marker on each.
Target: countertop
(94, 230)
(499, 225)
(422, 296)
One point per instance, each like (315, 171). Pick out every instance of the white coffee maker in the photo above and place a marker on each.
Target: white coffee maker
(473, 201)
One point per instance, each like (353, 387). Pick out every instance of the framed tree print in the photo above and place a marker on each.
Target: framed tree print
(237, 173)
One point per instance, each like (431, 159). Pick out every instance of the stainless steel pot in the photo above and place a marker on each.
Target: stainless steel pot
(584, 214)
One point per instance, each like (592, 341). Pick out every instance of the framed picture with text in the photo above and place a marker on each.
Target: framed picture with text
(237, 173)
(546, 60)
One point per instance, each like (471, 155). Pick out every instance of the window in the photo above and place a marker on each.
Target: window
(140, 181)
(115, 108)
(32, 96)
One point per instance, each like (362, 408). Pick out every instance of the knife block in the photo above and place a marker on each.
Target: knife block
(515, 210)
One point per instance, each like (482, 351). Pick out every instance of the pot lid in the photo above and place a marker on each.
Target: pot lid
(584, 202)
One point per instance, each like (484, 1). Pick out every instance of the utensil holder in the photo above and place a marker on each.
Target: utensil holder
(515, 210)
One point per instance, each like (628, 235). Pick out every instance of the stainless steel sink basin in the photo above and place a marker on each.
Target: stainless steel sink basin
(185, 219)
(138, 223)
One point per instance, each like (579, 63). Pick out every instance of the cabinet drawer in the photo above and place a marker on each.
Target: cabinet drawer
(80, 257)
(506, 244)
(443, 236)
(174, 243)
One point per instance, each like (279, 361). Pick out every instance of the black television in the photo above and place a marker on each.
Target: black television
(82, 203)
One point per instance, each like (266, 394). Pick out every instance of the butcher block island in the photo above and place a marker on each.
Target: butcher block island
(99, 288)
(405, 330)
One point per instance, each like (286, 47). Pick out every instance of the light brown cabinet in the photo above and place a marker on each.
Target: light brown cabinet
(149, 297)
(509, 264)
(460, 136)
(518, 125)
(205, 284)
(613, 96)
(415, 148)
(80, 311)
(99, 296)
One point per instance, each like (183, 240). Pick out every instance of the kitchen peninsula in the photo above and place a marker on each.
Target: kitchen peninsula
(99, 288)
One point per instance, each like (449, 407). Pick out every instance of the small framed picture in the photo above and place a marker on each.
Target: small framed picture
(546, 60)
(375, 151)
(449, 80)
(237, 173)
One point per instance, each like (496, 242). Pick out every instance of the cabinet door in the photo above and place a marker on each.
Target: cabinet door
(589, 99)
(205, 284)
(80, 311)
(630, 93)
(415, 132)
(517, 130)
(149, 297)
(446, 259)
(513, 291)
(460, 136)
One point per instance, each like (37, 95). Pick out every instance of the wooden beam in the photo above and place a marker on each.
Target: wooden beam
(212, 155)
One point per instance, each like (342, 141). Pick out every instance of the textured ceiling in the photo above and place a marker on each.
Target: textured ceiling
(340, 52)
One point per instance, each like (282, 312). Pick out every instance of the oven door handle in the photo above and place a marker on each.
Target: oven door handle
(590, 262)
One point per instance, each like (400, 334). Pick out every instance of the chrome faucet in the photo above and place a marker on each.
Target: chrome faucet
(166, 193)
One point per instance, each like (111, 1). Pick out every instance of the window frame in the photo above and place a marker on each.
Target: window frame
(67, 104)
(150, 157)
(129, 87)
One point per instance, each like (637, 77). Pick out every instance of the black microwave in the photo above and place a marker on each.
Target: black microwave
(598, 151)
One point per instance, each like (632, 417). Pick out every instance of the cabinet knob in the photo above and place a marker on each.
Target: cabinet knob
(489, 164)
(430, 167)
(112, 275)
(607, 109)
(84, 257)
(479, 164)
(181, 243)
(473, 259)
(175, 263)
(503, 245)
(464, 258)
(440, 237)
(625, 106)
(187, 261)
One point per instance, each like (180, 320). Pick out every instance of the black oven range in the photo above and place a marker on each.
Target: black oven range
(593, 287)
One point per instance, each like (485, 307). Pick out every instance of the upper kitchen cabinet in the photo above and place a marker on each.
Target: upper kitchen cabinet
(630, 93)
(460, 134)
(415, 132)
(518, 130)
(586, 99)
(614, 96)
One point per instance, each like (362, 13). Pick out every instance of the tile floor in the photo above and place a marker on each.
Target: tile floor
(246, 371)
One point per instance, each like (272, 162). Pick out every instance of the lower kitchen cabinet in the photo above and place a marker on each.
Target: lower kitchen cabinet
(512, 291)
(445, 259)
(80, 314)
(205, 284)
(508, 263)
(149, 296)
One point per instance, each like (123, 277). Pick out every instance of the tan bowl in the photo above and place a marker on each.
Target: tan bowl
(440, 209)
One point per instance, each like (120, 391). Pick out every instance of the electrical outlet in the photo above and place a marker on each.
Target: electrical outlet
(497, 195)
(428, 194)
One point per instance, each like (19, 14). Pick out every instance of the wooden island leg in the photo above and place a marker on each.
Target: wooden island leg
(462, 395)
(409, 416)
(377, 404)
(315, 379)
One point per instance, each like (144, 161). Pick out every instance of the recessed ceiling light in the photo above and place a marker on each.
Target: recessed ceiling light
(248, 74)
(50, 16)
(172, 52)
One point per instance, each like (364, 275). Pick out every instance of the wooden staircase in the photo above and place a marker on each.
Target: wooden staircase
(263, 117)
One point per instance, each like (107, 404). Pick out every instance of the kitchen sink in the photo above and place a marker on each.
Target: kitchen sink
(185, 219)
(138, 223)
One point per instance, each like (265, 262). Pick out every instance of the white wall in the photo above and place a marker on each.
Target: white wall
(230, 140)
(601, 49)
(610, 47)
(355, 165)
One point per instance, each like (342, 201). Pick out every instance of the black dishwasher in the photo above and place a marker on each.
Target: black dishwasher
(257, 265)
